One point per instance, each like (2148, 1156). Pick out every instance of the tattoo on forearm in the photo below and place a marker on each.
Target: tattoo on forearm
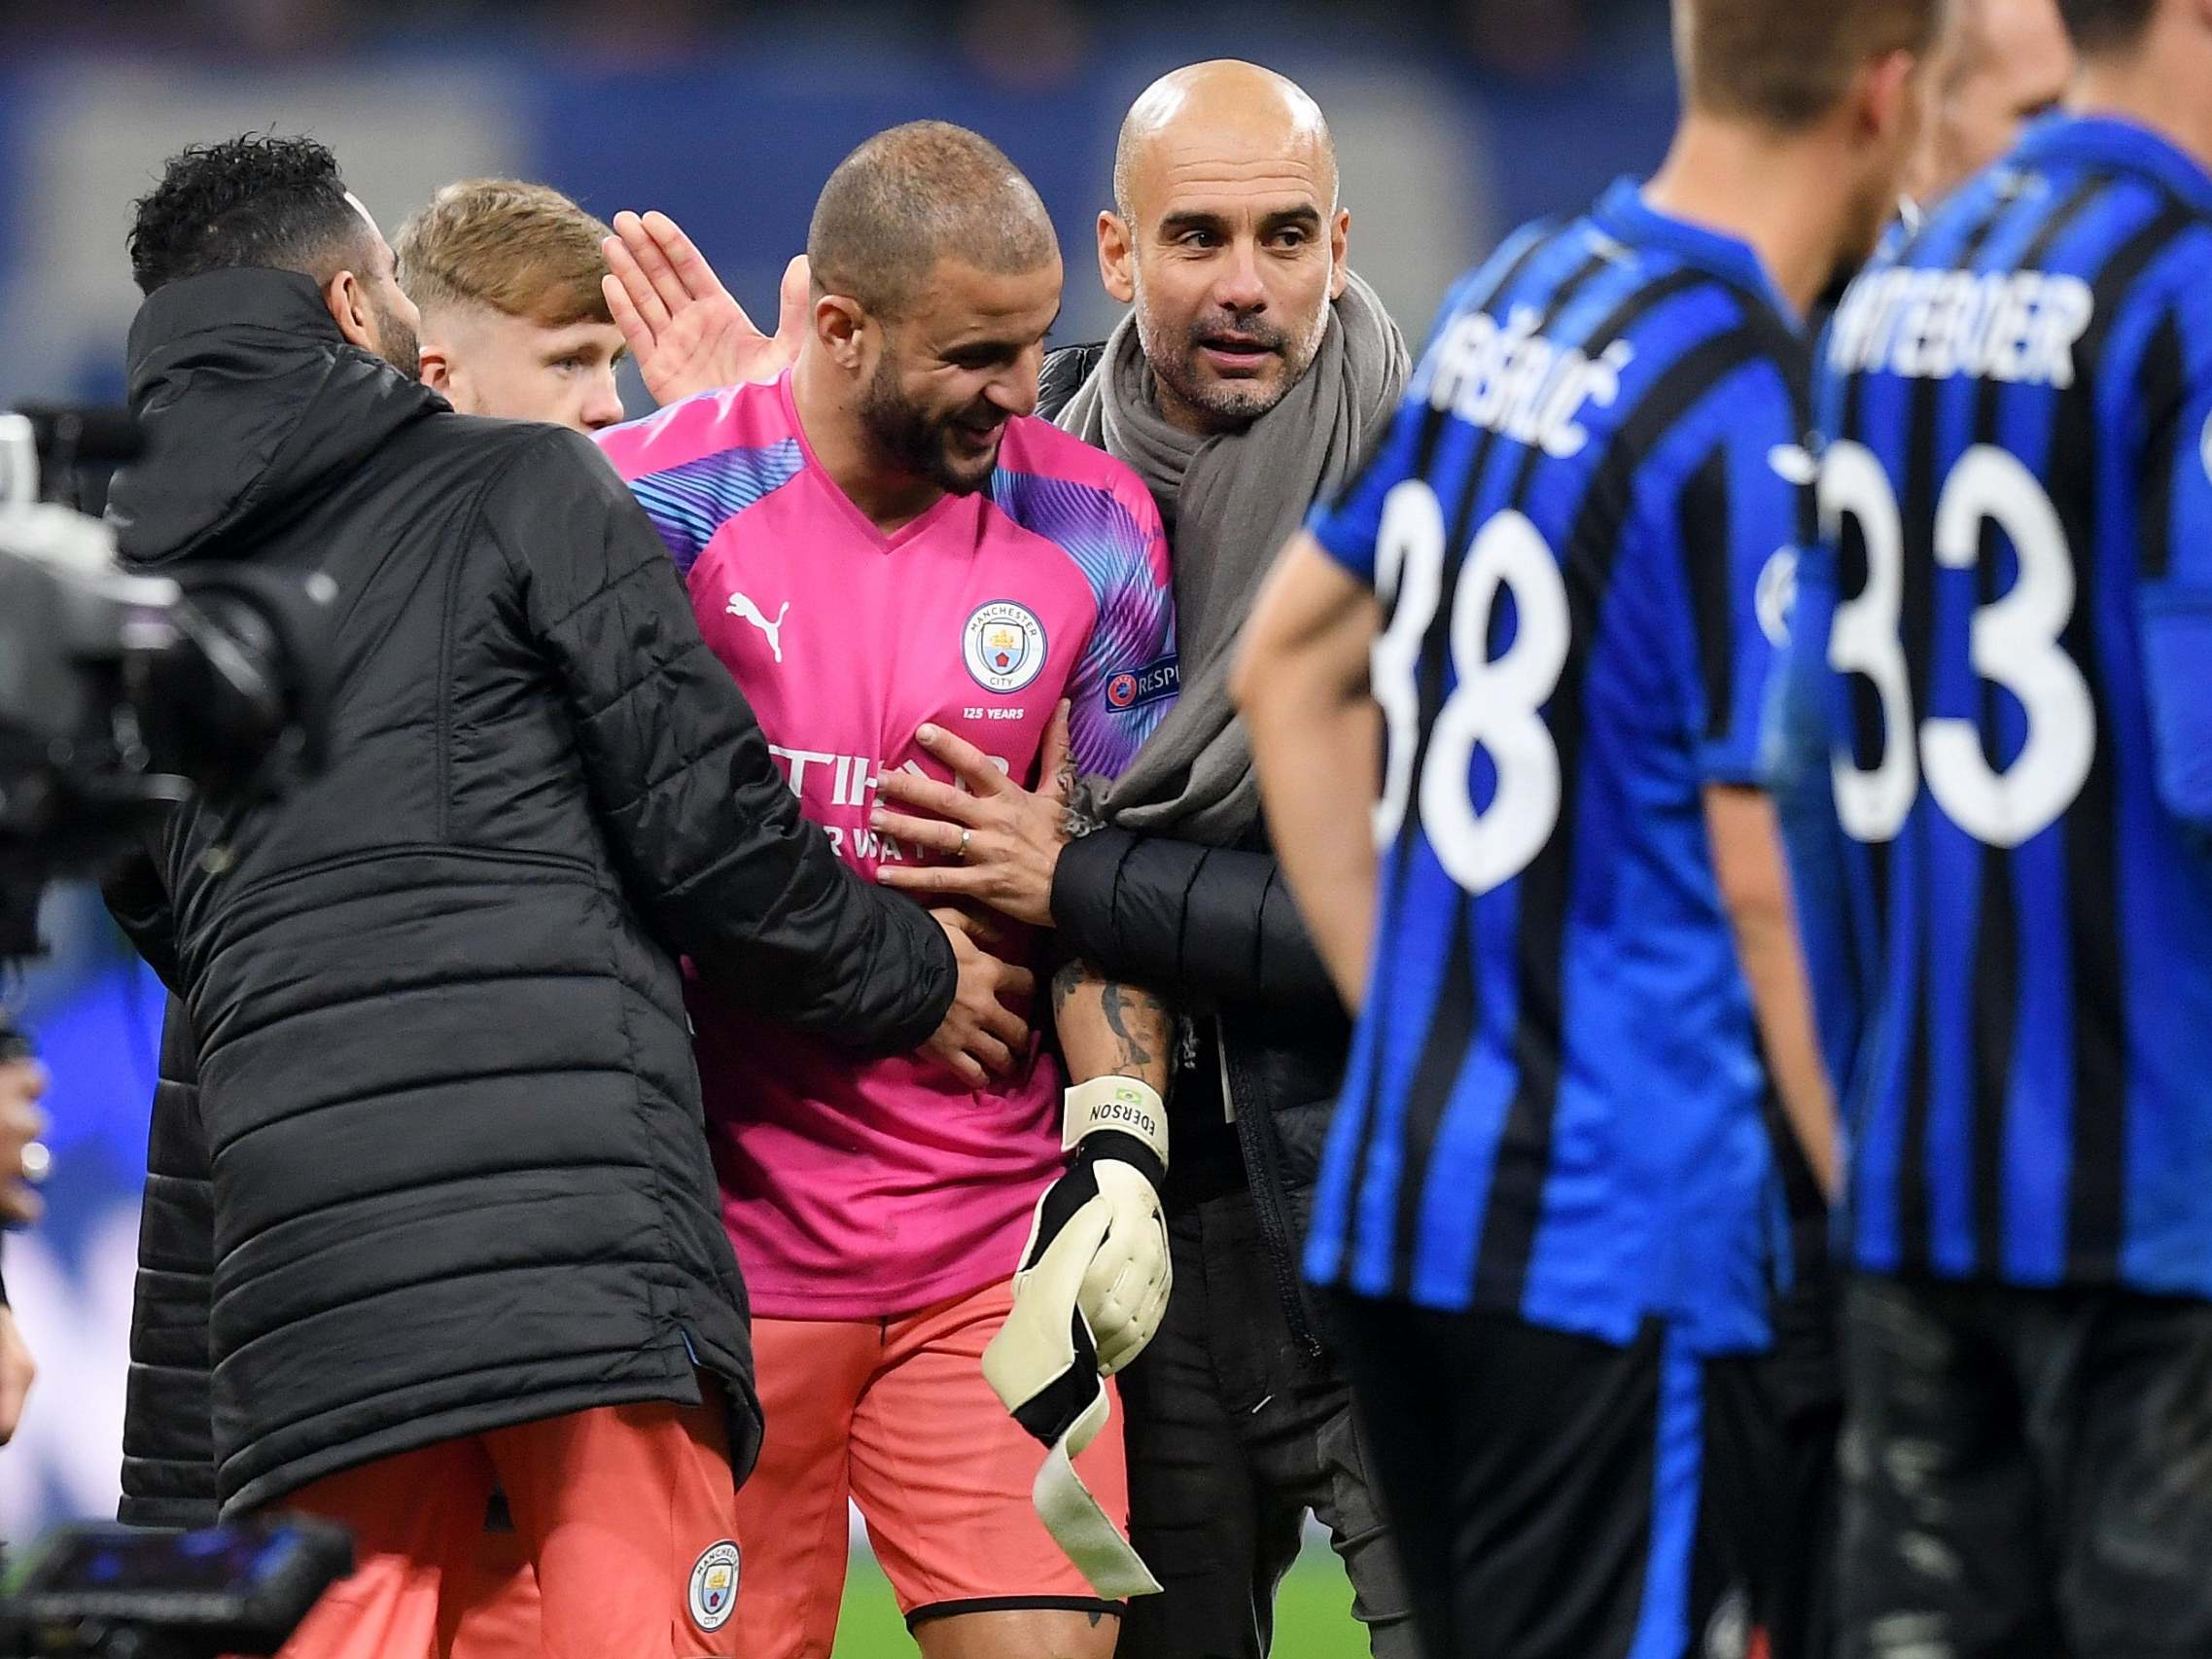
(1139, 1023)
(1067, 980)
(1120, 1003)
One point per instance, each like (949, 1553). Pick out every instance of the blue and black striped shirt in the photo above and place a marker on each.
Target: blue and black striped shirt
(1581, 524)
(2007, 640)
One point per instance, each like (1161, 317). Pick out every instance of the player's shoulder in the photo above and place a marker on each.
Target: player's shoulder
(1034, 447)
(749, 418)
(510, 465)
(2074, 213)
(2133, 186)
(1494, 285)
(491, 441)
(1639, 285)
(1055, 486)
(2161, 259)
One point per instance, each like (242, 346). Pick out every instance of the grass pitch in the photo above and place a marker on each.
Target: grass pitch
(1312, 1617)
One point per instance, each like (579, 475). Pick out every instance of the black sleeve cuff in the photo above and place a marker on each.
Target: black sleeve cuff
(939, 969)
(1083, 897)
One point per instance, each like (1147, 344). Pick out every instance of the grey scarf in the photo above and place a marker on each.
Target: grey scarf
(1230, 501)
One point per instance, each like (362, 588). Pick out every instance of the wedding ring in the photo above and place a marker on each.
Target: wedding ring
(38, 1162)
(961, 853)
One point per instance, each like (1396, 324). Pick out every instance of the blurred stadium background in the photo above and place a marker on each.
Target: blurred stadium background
(1454, 118)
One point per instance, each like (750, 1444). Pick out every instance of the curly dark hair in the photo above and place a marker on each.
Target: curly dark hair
(254, 200)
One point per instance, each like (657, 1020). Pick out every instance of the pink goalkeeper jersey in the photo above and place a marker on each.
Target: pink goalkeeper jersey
(855, 1188)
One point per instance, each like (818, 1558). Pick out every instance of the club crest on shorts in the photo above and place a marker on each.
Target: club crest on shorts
(1003, 646)
(712, 1595)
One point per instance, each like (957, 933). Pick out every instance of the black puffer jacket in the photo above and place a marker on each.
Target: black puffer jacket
(168, 1451)
(459, 1177)
(1214, 929)
(1062, 375)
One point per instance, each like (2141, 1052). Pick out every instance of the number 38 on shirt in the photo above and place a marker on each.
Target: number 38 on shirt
(1495, 703)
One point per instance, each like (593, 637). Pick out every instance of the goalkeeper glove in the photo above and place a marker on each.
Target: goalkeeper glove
(1089, 1295)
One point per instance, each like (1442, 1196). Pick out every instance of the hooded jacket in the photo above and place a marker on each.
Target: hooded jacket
(458, 1171)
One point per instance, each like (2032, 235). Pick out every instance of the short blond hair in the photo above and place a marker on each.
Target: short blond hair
(523, 249)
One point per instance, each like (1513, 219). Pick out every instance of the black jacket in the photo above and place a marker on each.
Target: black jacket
(1215, 930)
(1062, 375)
(168, 1449)
(459, 1173)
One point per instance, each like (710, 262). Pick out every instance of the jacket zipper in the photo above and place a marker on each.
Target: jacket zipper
(1263, 1170)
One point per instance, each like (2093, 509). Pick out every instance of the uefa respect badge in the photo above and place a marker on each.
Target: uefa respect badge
(1133, 687)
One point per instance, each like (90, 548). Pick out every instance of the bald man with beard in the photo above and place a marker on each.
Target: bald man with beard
(1246, 380)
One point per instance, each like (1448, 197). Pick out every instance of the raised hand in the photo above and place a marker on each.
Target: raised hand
(685, 330)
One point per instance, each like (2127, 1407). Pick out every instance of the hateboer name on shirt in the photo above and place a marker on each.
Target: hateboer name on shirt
(2018, 326)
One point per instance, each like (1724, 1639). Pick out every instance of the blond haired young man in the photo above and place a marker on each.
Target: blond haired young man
(507, 276)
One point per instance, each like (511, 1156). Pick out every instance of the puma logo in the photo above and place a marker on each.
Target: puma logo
(743, 608)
